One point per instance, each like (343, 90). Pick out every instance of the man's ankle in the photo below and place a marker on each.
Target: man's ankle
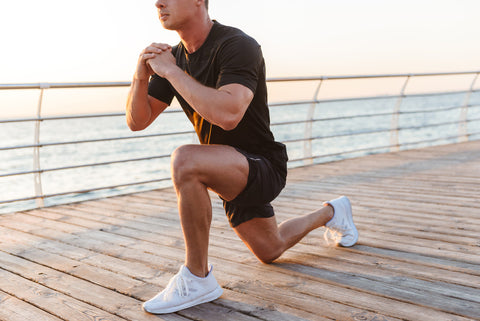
(197, 271)
(330, 212)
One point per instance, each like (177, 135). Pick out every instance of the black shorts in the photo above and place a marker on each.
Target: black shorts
(264, 184)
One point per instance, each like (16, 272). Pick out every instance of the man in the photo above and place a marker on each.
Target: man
(218, 75)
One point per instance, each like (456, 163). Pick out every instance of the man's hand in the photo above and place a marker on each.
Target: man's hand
(144, 70)
(162, 62)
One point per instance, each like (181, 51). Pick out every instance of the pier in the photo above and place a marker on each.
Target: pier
(417, 258)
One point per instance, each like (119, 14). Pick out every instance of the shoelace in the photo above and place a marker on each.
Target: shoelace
(181, 286)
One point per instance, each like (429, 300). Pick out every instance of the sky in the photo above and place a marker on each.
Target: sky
(100, 40)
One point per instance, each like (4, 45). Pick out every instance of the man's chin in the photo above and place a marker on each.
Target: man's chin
(167, 25)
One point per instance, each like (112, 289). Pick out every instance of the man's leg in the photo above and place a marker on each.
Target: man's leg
(268, 241)
(195, 169)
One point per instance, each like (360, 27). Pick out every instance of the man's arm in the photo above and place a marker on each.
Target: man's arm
(223, 107)
(143, 109)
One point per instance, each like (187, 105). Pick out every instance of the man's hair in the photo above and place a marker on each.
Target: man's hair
(206, 4)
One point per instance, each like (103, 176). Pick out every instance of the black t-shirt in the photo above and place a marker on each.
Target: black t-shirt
(227, 56)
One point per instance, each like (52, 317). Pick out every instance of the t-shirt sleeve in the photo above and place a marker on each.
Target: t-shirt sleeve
(160, 89)
(240, 59)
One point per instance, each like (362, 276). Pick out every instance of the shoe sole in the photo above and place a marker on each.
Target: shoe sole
(215, 294)
(350, 221)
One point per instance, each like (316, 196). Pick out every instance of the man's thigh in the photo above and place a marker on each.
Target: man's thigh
(221, 168)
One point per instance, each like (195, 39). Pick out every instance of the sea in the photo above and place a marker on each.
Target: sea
(341, 127)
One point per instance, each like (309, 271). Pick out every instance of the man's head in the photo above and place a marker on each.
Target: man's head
(174, 14)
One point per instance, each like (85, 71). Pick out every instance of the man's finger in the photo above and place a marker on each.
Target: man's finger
(147, 56)
(154, 50)
(162, 46)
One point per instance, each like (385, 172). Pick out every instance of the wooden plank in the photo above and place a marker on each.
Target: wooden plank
(389, 215)
(445, 297)
(99, 298)
(337, 260)
(13, 309)
(51, 301)
(266, 282)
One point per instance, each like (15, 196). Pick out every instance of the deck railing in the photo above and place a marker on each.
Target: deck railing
(308, 121)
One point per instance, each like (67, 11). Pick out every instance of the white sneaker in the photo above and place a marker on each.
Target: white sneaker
(183, 291)
(341, 228)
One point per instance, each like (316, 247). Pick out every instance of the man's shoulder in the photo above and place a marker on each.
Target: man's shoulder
(175, 48)
(227, 30)
(226, 33)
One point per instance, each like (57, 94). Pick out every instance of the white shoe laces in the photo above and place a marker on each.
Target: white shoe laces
(179, 285)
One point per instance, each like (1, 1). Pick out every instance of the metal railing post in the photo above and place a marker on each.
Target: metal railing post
(394, 137)
(37, 176)
(463, 128)
(307, 144)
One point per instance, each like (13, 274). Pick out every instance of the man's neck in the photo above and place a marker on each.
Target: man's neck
(195, 35)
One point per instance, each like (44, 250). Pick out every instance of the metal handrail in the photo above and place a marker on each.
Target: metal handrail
(82, 191)
(19, 120)
(47, 85)
(273, 104)
(46, 170)
(316, 101)
(309, 121)
(384, 147)
(313, 120)
(376, 131)
(96, 140)
(450, 73)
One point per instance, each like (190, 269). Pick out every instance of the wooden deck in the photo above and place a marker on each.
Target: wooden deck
(418, 256)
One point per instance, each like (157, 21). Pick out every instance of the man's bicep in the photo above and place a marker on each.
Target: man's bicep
(156, 107)
(240, 62)
(241, 95)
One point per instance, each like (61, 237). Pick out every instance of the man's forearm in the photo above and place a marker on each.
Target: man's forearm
(138, 111)
(218, 106)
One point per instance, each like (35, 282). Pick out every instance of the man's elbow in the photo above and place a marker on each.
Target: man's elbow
(232, 118)
(227, 126)
(231, 123)
(135, 129)
(133, 126)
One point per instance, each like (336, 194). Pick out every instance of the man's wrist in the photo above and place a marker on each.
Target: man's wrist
(171, 72)
(139, 79)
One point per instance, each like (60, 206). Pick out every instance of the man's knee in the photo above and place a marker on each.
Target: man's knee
(270, 256)
(268, 252)
(182, 163)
